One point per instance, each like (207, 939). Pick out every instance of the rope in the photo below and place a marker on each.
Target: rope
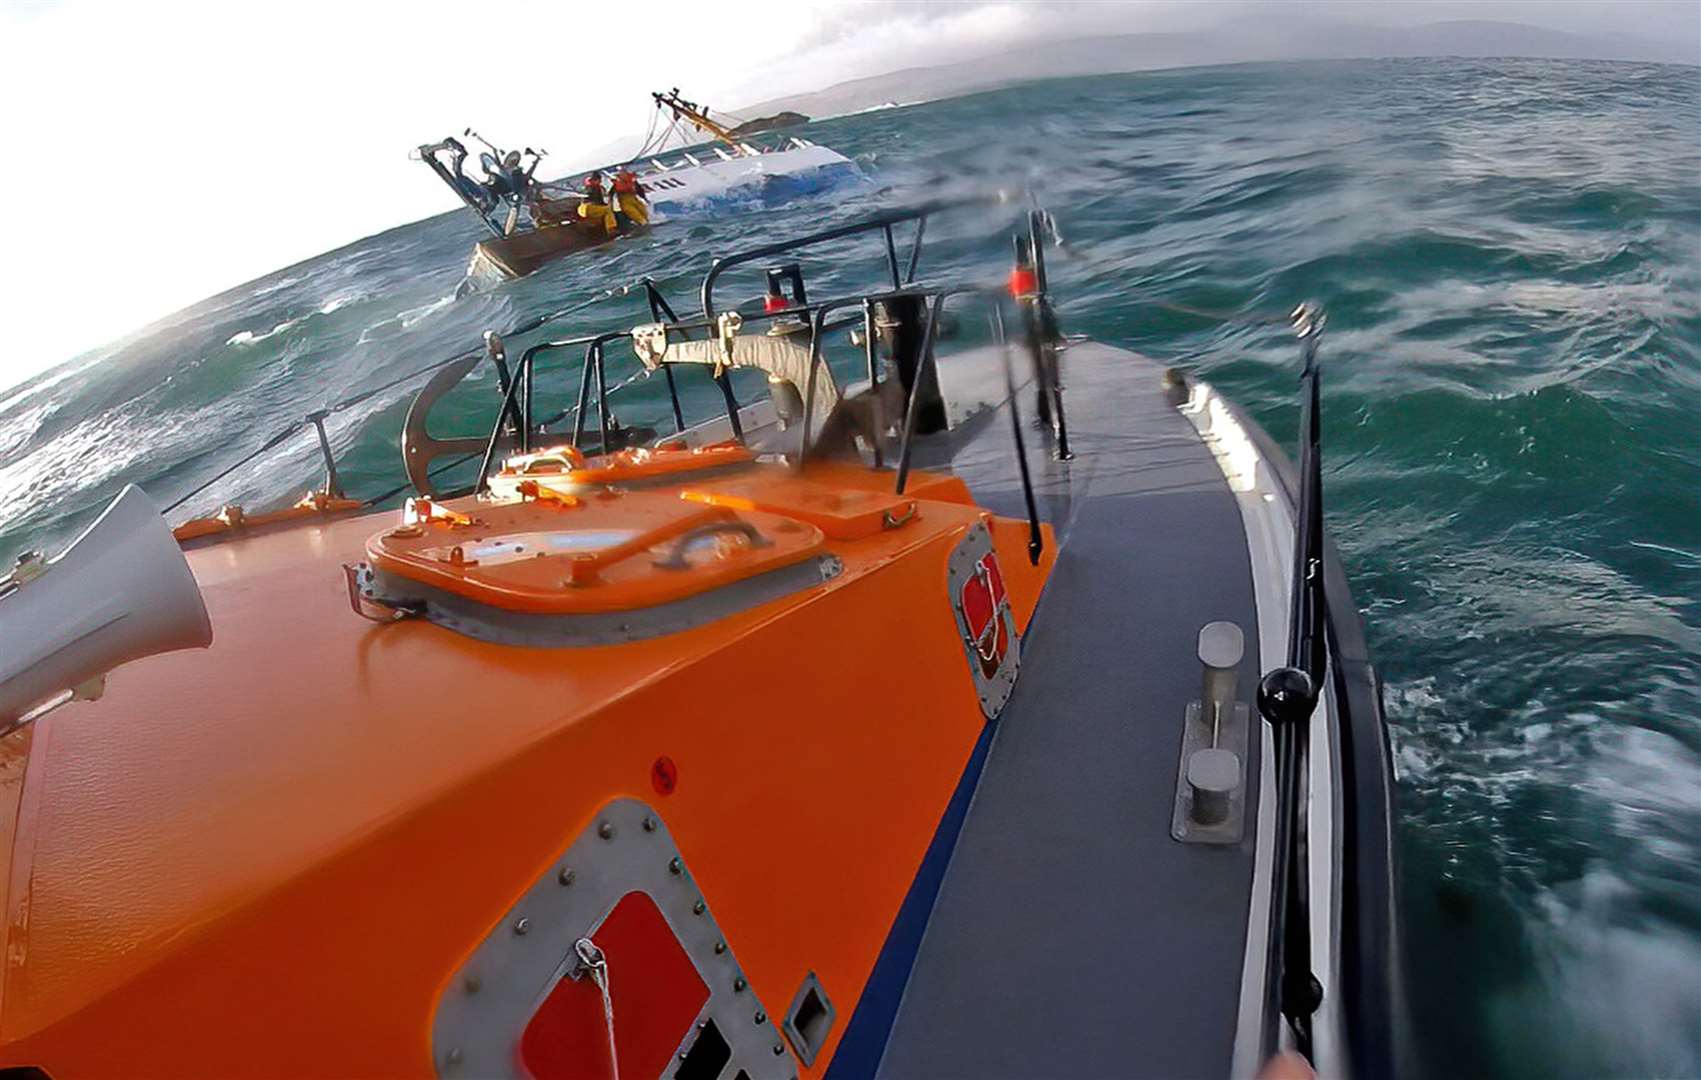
(593, 961)
(269, 444)
(727, 113)
(1223, 316)
(350, 402)
(436, 470)
(649, 136)
(1099, 263)
(671, 135)
(599, 975)
(623, 384)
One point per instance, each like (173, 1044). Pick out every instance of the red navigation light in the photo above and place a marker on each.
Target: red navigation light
(664, 775)
(1023, 282)
(774, 302)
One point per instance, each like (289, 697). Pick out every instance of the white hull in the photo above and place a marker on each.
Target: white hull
(686, 181)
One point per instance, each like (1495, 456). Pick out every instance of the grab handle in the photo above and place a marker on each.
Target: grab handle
(586, 568)
(675, 559)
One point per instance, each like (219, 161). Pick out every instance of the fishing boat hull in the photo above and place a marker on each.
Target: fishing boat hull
(523, 252)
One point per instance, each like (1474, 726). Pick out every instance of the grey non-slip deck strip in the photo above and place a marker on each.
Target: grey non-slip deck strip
(1072, 937)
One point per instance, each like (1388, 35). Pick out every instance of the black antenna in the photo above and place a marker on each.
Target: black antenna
(1287, 699)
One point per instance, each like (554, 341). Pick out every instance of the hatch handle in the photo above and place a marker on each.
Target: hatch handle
(675, 559)
(587, 568)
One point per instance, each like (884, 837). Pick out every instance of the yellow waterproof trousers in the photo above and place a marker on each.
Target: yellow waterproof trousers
(634, 208)
(591, 211)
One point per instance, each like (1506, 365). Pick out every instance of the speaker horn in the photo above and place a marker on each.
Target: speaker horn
(121, 591)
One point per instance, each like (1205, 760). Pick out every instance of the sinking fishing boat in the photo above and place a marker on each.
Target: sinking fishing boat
(533, 223)
(913, 717)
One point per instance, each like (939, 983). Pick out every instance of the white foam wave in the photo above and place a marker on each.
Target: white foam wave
(268, 290)
(413, 316)
(249, 337)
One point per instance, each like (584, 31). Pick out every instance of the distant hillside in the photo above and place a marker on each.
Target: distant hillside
(1291, 37)
(770, 123)
(1241, 41)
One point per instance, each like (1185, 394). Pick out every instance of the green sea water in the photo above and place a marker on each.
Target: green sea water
(1510, 255)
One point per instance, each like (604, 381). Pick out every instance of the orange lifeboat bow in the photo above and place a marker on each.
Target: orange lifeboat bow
(596, 714)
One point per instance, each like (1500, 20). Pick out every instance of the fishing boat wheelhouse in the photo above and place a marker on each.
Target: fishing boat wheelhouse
(866, 728)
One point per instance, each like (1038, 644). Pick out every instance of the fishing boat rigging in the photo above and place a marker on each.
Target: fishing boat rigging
(849, 709)
(698, 116)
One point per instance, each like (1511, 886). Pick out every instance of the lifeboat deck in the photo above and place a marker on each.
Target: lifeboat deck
(1012, 956)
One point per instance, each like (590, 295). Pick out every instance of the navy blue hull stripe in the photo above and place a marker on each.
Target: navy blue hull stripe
(870, 1025)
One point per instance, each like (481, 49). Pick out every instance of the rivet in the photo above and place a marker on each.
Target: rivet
(779, 1048)
(761, 1017)
(701, 1024)
(522, 925)
(566, 876)
(720, 947)
(649, 824)
(697, 908)
(682, 1055)
(606, 830)
(739, 984)
(453, 1057)
(674, 866)
(473, 984)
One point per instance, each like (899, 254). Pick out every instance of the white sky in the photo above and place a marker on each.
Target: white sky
(156, 154)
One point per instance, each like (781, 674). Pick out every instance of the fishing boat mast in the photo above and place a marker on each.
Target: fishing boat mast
(699, 116)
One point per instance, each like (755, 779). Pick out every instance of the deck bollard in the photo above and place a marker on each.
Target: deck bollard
(1213, 771)
(1221, 647)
